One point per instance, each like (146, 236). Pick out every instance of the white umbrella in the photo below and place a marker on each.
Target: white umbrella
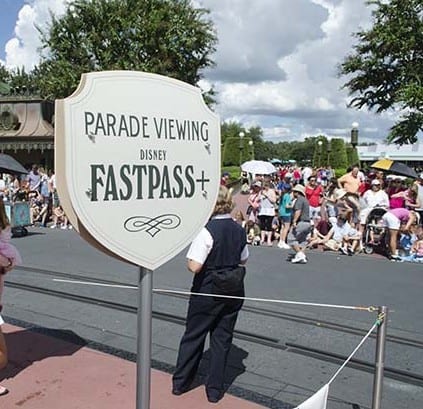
(258, 167)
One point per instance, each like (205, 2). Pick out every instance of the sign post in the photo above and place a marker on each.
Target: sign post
(145, 298)
(138, 170)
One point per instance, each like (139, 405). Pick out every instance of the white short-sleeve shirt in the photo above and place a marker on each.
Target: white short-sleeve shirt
(202, 245)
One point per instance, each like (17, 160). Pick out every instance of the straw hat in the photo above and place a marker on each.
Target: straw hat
(299, 189)
(340, 193)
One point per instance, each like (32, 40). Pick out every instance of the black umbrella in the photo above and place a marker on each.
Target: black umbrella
(11, 165)
(397, 168)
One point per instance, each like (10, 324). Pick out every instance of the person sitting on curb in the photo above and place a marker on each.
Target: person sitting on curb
(253, 233)
(342, 237)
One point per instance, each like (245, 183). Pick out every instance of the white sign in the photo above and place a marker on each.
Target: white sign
(141, 162)
(318, 400)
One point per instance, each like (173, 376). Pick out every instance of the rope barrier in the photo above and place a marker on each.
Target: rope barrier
(376, 324)
(379, 321)
(60, 280)
(183, 292)
(310, 304)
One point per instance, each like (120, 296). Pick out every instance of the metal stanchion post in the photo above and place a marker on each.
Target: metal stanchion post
(145, 294)
(380, 358)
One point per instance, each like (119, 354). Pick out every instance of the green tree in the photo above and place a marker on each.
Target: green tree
(352, 155)
(320, 156)
(166, 37)
(230, 130)
(232, 153)
(17, 82)
(303, 151)
(338, 156)
(387, 65)
(283, 150)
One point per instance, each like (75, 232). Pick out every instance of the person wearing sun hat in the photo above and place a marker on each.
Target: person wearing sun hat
(301, 227)
(375, 197)
(254, 200)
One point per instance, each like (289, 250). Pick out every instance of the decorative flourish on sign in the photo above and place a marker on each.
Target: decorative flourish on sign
(152, 225)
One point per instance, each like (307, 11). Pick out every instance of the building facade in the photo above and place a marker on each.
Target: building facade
(412, 155)
(26, 130)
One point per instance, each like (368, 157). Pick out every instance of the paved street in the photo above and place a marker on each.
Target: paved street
(271, 361)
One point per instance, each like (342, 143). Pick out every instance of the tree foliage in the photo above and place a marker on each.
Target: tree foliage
(386, 67)
(17, 82)
(166, 37)
(320, 155)
(338, 158)
(230, 135)
(352, 155)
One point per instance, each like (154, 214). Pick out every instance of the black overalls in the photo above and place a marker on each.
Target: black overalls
(208, 314)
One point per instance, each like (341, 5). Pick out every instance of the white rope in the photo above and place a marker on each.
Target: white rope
(95, 284)
(182, 292)
(345, 307)
(165, 291)
(354, 352)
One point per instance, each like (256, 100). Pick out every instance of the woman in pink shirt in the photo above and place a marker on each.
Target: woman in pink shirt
(409, 198)
(396, 200)
(396, 220)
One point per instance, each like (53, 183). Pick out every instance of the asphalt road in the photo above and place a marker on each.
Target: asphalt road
(272, 360)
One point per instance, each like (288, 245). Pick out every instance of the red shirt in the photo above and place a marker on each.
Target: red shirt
(313, 195)
(364, 187)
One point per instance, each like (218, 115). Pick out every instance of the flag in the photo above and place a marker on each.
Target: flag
(317, 401)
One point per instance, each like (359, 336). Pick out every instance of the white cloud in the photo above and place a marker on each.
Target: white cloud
(276, 63)
(22, 50)
(310, 89)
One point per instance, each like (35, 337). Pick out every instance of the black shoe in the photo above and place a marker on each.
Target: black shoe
(177, 391)
(290, 256)
(214, 396)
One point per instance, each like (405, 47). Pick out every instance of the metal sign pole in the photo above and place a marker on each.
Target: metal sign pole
(145, 296)
(380, 358)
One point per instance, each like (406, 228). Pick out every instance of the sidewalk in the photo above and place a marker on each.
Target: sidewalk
(46, 372)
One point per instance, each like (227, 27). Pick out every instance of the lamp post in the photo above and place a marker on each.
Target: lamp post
(241, 146)
(354, 139)
(354, 134)
(251, 145)
(320, 143)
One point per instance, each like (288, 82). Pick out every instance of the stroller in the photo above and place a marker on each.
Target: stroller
(374, 234)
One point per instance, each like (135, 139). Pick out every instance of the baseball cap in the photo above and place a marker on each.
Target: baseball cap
(375, 182)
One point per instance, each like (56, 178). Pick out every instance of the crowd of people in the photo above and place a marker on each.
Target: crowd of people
(38, 188)
(302, 208)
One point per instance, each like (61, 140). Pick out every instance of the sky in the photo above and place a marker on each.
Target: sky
(276, 62)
